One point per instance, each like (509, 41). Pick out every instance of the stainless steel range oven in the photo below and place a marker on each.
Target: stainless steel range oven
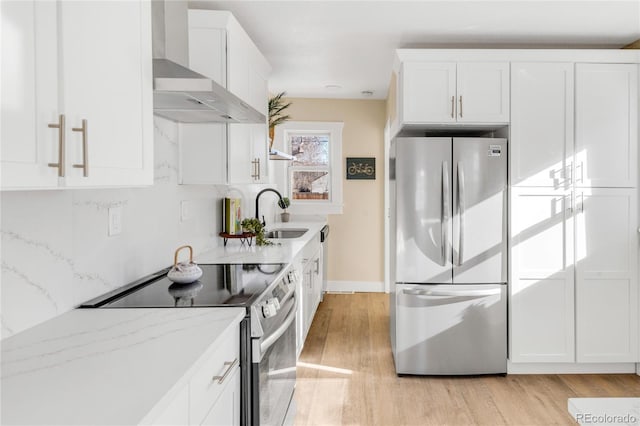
(267, 334)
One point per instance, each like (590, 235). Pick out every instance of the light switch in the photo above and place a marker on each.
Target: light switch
(115, 220)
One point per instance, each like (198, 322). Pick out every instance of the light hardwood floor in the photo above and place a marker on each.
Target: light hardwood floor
(346, 376)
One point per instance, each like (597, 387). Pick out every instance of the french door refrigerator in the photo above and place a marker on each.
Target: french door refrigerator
(449, 215)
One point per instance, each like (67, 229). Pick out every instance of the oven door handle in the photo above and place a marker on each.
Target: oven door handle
(273, 337)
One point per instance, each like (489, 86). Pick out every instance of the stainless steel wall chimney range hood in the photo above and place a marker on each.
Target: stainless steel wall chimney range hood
(180, 94)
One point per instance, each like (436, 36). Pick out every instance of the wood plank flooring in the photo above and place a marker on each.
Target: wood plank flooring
(346, 377)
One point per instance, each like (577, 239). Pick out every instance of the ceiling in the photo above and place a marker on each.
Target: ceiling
(313, 45)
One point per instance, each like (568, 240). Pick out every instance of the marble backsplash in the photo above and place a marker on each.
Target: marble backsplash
(56, 252)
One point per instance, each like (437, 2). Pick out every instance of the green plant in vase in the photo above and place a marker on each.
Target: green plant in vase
(254, 226)
(283, 204)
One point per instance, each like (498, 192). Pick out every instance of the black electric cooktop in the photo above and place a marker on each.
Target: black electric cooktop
(220, 285)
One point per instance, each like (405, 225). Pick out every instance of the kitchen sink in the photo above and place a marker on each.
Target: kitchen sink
(285, 233)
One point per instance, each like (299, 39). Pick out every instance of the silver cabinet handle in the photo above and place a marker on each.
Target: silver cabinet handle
(230, 366)
(60, 125)
(453, 107)
(461, 106)
(256, 168)
(317, 266)
(461, 209)
(444, 293)
(444, 216)
(85, 148)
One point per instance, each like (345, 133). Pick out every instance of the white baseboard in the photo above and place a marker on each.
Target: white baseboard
(355, 286)
(569, 368)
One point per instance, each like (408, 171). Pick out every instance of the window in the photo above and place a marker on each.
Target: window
(313, 180)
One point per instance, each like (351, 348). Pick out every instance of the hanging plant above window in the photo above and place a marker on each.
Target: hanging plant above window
(277, 106)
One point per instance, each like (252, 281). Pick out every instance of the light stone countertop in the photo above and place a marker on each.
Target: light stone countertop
(284, 251)
(106, 366)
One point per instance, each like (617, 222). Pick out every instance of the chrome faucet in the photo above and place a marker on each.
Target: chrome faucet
(258, 197)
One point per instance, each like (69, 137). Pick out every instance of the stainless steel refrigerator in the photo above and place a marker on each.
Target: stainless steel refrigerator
(449, 255)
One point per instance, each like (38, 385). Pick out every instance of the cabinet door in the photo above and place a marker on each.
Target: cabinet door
(483, 92)
(226, 410)
(29, 94)
(606, 125)
(428, 92)
(542, 289)
(541, 124)
(606, 276)
(106, 80)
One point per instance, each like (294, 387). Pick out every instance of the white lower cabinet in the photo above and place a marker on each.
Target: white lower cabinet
(226, 410)
(212, 395)
(574, 290)
(309, 290)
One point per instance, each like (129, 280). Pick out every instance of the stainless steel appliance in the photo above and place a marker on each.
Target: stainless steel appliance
(267, 334)
(449, 255)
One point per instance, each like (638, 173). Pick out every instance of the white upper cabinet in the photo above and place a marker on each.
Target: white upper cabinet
(541, 124)
(483, 92)
(428, 92)
(606, 125)
(470, 92)
(29, 94)
(220, 49)
(97, 79)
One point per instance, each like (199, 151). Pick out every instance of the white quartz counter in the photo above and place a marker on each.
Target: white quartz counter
(283, 251)
(106, 366)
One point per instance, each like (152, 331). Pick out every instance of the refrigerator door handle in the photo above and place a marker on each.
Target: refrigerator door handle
(460, 213)
(449, 293)
(444, 215)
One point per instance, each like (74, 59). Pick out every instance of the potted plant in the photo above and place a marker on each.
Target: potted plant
(255, 227)
(283, 204)
(276, 114)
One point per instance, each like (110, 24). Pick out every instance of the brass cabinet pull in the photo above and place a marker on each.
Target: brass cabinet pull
(230, 365)
(85, 152)
(461, 106)
(61, 144)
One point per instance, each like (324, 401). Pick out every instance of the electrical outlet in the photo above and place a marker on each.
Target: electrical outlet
(185, 211)
(115, 220)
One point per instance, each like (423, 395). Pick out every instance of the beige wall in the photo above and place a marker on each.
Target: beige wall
(356, 243)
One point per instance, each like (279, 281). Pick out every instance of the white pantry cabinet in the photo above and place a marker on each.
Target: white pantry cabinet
(78, 105)
(606, 275)
(449, 92)
(541, 144)
(220, 49)
(606, 100)
(574, 267)
(542, 281)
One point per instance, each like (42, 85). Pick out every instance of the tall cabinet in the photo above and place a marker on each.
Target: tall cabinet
(226, 153)
(574, 244)
(76, 95)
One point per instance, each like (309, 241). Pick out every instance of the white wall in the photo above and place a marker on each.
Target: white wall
(56, 253)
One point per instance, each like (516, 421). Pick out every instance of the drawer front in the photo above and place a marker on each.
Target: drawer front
(209, 381)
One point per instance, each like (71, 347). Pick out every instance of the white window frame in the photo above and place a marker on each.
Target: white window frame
(334, 129)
